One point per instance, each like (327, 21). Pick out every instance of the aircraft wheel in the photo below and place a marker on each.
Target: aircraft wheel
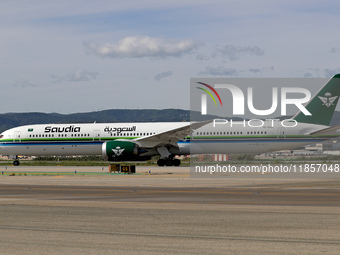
(169, 162)
(161, 162)
(16, 163)
(176, 162)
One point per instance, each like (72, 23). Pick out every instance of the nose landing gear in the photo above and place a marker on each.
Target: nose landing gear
(15, 158)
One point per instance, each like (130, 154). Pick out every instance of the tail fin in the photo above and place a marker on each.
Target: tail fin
(323, 104)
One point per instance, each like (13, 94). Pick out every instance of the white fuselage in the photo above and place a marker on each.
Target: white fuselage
(87, 139)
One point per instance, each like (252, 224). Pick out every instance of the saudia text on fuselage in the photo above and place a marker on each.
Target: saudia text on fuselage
(119, 130)
(69, 129)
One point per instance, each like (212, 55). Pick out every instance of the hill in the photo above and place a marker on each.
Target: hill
(9, 120)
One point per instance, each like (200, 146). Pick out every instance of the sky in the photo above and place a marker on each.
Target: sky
(83, 56)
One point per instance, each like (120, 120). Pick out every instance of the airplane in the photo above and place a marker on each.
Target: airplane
(140, 141)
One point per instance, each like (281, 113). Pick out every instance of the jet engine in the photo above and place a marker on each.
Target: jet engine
(121, 150)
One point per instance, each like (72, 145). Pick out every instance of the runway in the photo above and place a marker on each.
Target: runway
(168, 213)
(178, 195)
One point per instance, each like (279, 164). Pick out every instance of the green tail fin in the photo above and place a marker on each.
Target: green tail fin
(323, 104)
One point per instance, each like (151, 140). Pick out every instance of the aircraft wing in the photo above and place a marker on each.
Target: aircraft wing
(169, 137)
(330, 131)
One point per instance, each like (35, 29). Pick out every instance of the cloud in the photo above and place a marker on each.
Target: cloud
(261, 70)
(77, 76)
(330, 72)
(236, 52)
(335, 50)
(321, 73)
(308, 75)
(222, 71)
(201, 57)
(140, 47)
(163, 75)
(219, 71)
(23, 83)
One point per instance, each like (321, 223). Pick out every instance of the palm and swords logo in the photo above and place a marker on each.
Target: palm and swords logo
(328, 100)
(118, 151)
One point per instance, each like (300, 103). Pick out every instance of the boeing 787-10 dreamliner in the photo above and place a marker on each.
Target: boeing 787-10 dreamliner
(140, 141)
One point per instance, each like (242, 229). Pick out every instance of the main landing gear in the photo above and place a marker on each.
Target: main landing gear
(167, 159)
(168, 162)
(16, 162)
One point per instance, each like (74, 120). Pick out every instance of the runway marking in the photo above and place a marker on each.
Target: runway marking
(275, 202)
(183, 202)
(161, 235)
(150, 190)
(219, 196)
(153, 191)
(158, 192)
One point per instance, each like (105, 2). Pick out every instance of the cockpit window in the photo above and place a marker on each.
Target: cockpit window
(1, 136)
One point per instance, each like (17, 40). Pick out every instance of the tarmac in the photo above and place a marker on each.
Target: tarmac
(87, 210)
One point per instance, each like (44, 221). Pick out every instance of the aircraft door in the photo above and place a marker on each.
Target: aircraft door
(281, 132)
(96, 135)
(17, 136)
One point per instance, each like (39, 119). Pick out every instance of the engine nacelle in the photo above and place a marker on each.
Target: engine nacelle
(114, 150)
(121, 150)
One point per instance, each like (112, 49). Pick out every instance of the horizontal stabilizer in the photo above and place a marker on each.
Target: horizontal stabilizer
(331, 131)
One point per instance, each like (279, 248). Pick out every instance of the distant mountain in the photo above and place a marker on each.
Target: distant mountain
(10, 120)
